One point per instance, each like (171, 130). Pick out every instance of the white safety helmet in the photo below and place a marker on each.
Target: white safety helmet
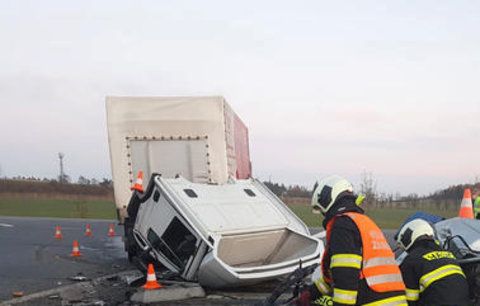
(327, 190)
(412, 231)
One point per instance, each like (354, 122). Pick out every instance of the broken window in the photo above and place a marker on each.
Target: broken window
(177, 243)
(159, 245)
(180, 240)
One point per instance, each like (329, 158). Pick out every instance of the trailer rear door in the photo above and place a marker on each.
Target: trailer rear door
(169, 157)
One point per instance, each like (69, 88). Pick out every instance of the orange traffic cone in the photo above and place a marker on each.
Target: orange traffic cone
(151, 279)
(75, 249)
(58, 232)
(139, 182)
(88, 231)
(466, 208)
(111, 230)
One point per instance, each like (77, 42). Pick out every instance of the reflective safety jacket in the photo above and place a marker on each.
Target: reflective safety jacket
(433, 277)
(358, 265)
(476, 207)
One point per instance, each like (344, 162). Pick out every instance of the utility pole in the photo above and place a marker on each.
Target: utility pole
(61, 177)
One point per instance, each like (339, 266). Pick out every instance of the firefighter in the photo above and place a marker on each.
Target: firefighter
(476, 204)
(358, 266)
(431, 274)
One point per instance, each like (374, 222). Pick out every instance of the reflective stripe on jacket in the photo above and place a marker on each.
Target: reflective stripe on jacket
(437, 274)
(377, 263)
(476, 206)
(433, 277)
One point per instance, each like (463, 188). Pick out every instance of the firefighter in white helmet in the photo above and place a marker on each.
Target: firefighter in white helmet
(431, 274)
(358, 265)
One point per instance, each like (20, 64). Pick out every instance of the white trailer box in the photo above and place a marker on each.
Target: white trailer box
(200, 138)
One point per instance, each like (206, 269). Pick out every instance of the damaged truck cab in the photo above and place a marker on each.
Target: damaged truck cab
(221, 235)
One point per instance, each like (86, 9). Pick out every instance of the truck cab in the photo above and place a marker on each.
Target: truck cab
(232, 234)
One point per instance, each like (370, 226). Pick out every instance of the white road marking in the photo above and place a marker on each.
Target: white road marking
(5, 225)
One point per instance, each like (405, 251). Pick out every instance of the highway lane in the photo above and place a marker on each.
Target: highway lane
(32, 260)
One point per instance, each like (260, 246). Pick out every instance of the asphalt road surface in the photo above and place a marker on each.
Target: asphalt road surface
(32, 260)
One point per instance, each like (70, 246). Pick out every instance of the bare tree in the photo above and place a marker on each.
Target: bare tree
(83, 180)
(368, 187)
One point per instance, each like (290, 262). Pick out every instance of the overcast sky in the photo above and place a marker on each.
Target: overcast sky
(390, 87)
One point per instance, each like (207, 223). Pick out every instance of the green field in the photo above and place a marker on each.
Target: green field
(57, 208)
(385, 217)
(388, 218)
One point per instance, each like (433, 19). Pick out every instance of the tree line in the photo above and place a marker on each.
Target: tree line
(294, 191)
(444, 199)
(83, 186)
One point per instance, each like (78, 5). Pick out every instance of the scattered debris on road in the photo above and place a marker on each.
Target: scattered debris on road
(79, 278)
(124, 288)
(17, 294)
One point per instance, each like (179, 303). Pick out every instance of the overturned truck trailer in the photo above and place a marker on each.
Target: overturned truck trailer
(200, 138)
(201, 215)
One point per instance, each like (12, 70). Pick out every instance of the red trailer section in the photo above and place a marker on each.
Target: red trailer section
(242, 153)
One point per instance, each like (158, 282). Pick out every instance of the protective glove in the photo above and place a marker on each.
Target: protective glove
(324, 301)
(304, 298)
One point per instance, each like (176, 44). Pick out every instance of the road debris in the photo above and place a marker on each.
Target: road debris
(17, 294)
(172, 292)
(79, 278)
(134, 280)
(113, 278)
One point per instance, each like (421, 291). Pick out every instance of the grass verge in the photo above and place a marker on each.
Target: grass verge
(25, 207)
(387, 218)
